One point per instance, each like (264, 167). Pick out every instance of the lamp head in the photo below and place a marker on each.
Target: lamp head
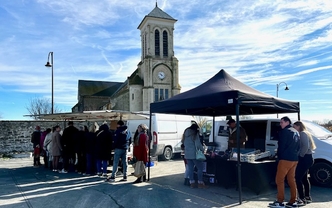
(48, 64)
(286, 88)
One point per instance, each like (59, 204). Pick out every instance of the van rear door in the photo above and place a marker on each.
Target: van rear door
(273, 129)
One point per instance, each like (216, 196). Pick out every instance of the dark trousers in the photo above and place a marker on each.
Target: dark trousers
(81, 163)
(301, 175)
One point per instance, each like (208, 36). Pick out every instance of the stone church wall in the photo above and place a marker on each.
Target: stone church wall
(15, 136)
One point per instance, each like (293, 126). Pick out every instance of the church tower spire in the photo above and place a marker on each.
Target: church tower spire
(158, 66)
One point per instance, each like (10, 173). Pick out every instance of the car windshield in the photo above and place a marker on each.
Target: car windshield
(317, 130)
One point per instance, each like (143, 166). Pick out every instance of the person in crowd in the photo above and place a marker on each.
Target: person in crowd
(232, 141)
(67, 143)
(90, 140)
(141, 148)
(103, 149)
(47, 145)
(79, 145)
(121, 142)
(56, 148)
(306, 160)
(42, 149)
(191, 141)
(287, 154)
(35, 140)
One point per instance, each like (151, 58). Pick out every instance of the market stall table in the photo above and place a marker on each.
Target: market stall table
(257, 176)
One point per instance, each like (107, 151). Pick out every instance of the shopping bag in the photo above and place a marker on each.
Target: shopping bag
(200, 155)
(139, 169)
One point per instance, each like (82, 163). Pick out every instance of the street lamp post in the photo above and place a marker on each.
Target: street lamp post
(50, 64)
(286, 88)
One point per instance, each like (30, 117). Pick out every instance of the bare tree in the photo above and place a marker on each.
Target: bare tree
(38, 106)
(200, 120)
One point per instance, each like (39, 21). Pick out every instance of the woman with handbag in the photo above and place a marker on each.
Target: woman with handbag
(192, 150)
(141, 148)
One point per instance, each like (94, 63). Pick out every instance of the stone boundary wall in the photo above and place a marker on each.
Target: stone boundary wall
(15, 136)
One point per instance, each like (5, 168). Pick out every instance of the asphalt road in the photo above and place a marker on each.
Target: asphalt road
(21, 185)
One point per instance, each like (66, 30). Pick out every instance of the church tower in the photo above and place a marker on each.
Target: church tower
(158, 67)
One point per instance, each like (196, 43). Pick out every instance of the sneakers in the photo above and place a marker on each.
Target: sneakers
(276, 204)
(193, 185)
(63, 171)
(111, 179)
(124, 179)
(292, 204)
(104, 175)
(99, 174)
(301, 202)
(308, 199)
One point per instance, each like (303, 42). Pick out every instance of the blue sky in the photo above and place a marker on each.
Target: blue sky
(261, 43)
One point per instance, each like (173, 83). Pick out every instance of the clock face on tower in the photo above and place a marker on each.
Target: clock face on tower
(161, 75)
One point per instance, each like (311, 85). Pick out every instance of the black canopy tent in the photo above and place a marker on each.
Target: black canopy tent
(224, 95)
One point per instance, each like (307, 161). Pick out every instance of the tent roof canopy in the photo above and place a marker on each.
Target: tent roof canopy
(218, 97)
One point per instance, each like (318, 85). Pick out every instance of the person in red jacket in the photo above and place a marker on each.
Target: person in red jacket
(141, 147)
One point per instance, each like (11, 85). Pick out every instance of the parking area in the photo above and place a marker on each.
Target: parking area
(25, 186)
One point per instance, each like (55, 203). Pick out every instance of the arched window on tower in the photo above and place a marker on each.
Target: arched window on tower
(157, 42)
(165, 44)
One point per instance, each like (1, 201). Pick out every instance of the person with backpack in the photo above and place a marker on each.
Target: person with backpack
(121, 142)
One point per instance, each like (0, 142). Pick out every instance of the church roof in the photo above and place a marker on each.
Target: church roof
(97, 88)
(157, 13)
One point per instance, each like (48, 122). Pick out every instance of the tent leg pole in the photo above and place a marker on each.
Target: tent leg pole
(150, 139)
(238, 152)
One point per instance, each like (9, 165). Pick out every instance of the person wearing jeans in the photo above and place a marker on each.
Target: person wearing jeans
(192, 142)
(306, 160)
(287, 153)
(103, 149)
(121, 142)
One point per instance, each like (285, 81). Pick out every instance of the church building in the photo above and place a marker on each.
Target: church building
(156, 77)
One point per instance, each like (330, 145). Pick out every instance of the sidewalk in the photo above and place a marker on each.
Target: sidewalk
(21, 185)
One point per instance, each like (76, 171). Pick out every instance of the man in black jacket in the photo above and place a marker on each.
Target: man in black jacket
(121, 142)
(67, 143)
(288, 147)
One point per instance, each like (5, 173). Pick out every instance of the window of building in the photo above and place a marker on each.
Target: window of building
(156, 94)
(132, 96)
(157, 42)
(144, 45)
(160, 94)
(165, 44)
(166, 93)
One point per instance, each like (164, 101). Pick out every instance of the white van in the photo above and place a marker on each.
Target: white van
(261, 135)
(166, 131)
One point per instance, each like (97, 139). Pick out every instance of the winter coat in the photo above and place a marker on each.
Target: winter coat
(90, 142)
(35, 138)
(141, 147)
(191, 141)
(232, 137)
(56, 144)
(68, 139)
(104, 143)
(288, 144)
(48, 142)
(121, 139)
